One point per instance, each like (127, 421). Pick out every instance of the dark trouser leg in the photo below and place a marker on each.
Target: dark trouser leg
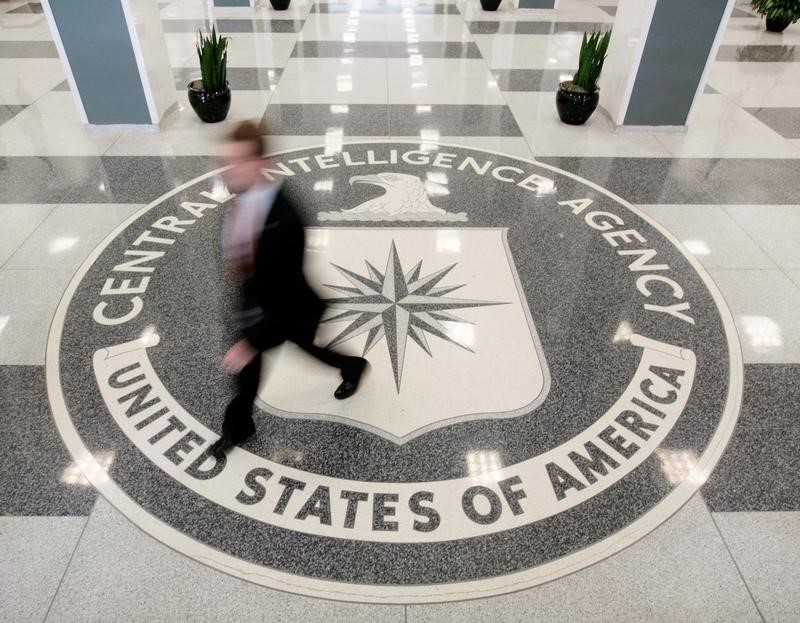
(239, 414)
(351, 367)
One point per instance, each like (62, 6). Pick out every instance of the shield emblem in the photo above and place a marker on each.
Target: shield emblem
(439, 314)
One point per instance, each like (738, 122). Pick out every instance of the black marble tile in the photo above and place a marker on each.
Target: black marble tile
(390, 9)
(39, 179)
(136, 179)
(642, 180)
(785, 121)
(533, 27)
(260, 25)
(751, 180)
(338, 49)
(383, 49)
(239, 78)
(28, 49)
(530, 79)
(758, 53)
(581, 27)
(433, 49)
(31, 7)
(320, 119)
(758, 471)
(453, 120)
(234, 25)
(691, 180)
(9, 111)
(771, 397)
(37, 475)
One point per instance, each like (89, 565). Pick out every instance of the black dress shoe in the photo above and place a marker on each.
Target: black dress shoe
(221, 446)
(348, 387)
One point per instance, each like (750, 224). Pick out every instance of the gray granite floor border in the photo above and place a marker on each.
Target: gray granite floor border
(137, 179)
(785, 121)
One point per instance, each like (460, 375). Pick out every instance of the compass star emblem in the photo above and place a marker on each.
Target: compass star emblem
(396, 305)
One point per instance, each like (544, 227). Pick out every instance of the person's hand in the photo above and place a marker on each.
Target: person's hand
(238, 356)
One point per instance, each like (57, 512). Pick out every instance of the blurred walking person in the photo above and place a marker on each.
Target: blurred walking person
(264, 245)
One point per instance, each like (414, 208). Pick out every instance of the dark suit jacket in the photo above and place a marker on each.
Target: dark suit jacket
(291, 309)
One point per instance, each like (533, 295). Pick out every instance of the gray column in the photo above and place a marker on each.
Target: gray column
(658, 59)
(234, 3)
(537, 4)
(115, 58)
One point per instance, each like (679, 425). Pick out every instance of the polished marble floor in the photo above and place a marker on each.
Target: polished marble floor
(407, 76)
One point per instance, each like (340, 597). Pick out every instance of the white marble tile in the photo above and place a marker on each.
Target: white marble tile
(53, 127)
(68, 235)
(441, 81)
(753, 85)
(775, 228)
(538, 119)
(679, 572)
(25, 80)
(428, 28)
(718, 128)
(343, 27)
(150, 582)
(794, 275)
(558, 51)
(28, 300)
(764, 305)
(184, 134)
(765, 548)
(711, 235)
(332, 81)
(35, 554)
(18, 222)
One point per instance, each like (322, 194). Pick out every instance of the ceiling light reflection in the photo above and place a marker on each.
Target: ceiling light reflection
(679, 465)
(624, 332)
(448, 241)
(96, 467)
(344, 83)
(697, 247)
(762, 332)
(484, 466)
(63, 243)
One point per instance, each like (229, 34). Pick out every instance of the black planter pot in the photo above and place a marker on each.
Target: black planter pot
(575, 107)
(776, 25)
(490, 5)
(280, 5)
(210, 106)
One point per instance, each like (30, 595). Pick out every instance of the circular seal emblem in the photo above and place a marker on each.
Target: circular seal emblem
(552, 376)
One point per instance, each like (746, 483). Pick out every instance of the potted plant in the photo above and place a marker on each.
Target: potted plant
(210, 96)
(280, 5)
(490, 5)
(779, 13)
(577, 99)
